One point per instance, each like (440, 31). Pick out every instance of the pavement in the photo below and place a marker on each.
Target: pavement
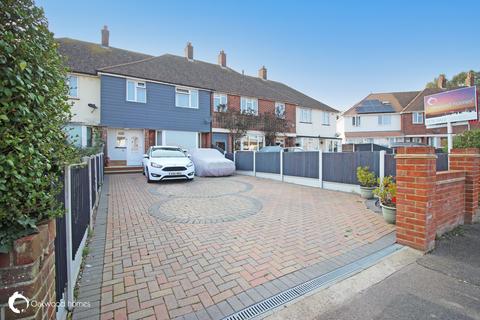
(208, 248)
(443, 284)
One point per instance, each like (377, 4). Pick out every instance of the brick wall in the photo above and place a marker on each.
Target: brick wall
(416, 176)
(468, 160)
(449, 200)
(30, 269)
(430, 203)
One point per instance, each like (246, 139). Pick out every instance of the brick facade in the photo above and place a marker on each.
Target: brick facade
(409, 128)
(264, 106)
(30, 270)
(430, 203)
(150, 137)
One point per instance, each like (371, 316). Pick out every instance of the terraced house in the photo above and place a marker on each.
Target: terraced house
(83, 59)
(144, 100)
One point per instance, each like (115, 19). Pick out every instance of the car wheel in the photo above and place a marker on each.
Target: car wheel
(143, 171)
(148, 177)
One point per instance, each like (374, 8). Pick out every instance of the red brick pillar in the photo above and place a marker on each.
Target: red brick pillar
(29, 269)
(468, 160)
(416, 176)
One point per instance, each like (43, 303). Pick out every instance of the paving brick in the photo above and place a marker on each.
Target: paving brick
(176, 267)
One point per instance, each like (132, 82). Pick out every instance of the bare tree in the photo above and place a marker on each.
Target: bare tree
(238, 123)
(272, 124)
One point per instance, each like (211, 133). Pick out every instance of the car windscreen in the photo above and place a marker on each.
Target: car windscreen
(167, 153)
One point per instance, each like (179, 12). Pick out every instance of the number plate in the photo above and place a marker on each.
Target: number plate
(175, 173)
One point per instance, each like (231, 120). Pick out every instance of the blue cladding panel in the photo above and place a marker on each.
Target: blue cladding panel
(158, 113)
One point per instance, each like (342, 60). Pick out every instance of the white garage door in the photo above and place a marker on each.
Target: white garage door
(183, 139)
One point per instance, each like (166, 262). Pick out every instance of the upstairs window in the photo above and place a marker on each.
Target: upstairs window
(249, 105)
(384, 120)
(72, 82)
(306, 115)
(325, 118)
(186, 98)
(280, 110)
(356, 121)
(219, 102)
(136, 91)
(417, 118)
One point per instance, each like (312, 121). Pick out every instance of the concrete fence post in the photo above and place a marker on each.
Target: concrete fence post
(88, 160)
(96, 177)
(235, 159)
(281, 164)
(381, 174)
(468, 160)
(416, 178)
(68, 235)
(320, 168)
(254, 163)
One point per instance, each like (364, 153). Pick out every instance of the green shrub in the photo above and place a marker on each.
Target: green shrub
(33, 100)
(366, 177)
(468, 139)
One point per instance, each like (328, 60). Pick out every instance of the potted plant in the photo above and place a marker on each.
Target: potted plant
(387, 194)
(367, 180)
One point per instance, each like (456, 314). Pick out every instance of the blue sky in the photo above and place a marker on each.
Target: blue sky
(335, 51)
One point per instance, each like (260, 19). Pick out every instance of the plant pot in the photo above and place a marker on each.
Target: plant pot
(389, 214)
(366, 192)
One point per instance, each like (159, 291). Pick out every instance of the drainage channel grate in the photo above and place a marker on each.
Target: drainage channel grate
(316, 283)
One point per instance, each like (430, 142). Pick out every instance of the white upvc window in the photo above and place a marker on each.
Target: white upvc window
(249, 105)
(417, 118)
(280, 110)
(136, 91)
(220, 102)
(305, 115)
(356, 121)
(72, 82)
(325, 118)
(252, 142)
(384, 119)
(186, 98)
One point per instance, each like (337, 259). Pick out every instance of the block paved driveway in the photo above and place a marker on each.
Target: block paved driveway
(208, 248)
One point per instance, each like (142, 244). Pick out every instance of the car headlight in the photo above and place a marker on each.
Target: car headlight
(156, 165)
(189, 164)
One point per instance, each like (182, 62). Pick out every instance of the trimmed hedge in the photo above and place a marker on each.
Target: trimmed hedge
(34, 108)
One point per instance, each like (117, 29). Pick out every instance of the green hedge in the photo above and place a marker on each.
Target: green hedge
(33, 100)
(468, 139)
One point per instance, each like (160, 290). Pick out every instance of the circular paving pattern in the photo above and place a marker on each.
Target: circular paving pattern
(200, 188)
(206, 210)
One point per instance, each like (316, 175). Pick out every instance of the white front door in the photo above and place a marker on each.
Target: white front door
(134, 147)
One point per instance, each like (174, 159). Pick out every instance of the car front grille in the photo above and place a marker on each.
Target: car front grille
(174, 169)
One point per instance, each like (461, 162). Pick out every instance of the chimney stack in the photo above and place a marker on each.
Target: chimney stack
(470, 81)
(262, 73)
(189, 51)
(105, 36)
(222, 59)
(442, 81)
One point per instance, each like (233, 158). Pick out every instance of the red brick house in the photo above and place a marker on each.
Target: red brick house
(413, 119)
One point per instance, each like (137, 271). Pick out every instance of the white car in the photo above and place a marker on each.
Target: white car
(211, 163)
(166, 163)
